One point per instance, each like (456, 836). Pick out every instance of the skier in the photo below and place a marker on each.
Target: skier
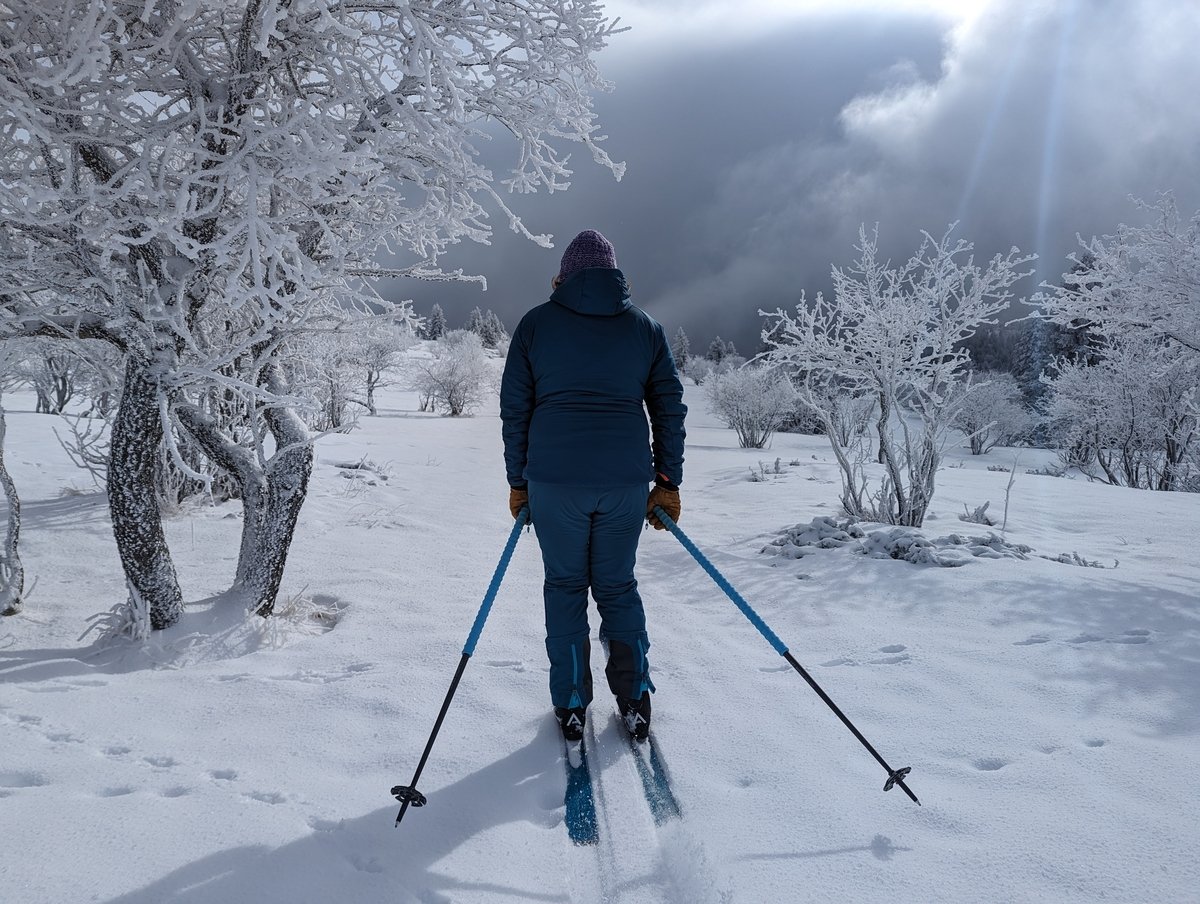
(582, 371)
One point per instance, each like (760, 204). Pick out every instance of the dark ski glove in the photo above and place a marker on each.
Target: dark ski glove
(517, 500)
(668, 499)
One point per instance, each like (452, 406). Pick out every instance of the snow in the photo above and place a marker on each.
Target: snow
(1049, 711)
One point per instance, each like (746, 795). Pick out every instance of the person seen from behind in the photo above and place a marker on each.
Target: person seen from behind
(583, 371)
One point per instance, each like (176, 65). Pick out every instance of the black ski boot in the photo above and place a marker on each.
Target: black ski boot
(571, 722)
(636, 715)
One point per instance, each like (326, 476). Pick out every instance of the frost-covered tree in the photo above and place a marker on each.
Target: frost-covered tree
(895, 333)
(698, 369)
(1134, 418)
(382, 351)
(992, 414)
(474, 322)
(435, 326)
(719, 350)
(198, 183)
(1144, 279)
(681, 348)
(458, 377)
(1130, 419)
(54, 371)
(492, 331)
(753, 402)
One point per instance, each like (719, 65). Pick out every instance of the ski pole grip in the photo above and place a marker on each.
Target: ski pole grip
(497, 577)
(747, 610)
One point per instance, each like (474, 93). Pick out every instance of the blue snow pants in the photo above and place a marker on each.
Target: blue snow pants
(589, 538)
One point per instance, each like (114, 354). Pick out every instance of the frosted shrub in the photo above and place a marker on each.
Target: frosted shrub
(753, 402)
(894, 334)
(1129, 420)
(458, 377)
(699, 369)
(991, 414)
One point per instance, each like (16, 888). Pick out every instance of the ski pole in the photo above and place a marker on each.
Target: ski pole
(408, 795)
(895, 776)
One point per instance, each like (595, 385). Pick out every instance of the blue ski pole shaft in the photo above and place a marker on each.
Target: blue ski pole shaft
(895, 776)
(408, 795)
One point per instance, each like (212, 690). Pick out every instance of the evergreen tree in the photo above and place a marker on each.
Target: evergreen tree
(475, 322)
(681, 348)
(492, 331)
(718, 349)
(435, 326)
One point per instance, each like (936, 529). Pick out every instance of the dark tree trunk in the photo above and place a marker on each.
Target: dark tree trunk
(12, 572)
(271, 497)
(137, 523)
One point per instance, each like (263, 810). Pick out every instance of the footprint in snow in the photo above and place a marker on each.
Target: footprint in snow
(893, 648)
(176, 791)
(323, 825)
(774, 668)
(1137, 635)
(161, 762)
(1031, 640)
(1085, 638)
(119, 791)
(1095, 742)
(222, 775)
(20, 778)
(517, 665)
(116, 750)
(990, 764)
(266, 797)
(63, 737)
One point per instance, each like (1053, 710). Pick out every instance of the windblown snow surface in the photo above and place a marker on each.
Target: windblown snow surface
(1050, 711)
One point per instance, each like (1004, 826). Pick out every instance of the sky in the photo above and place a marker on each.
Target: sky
(760, 134)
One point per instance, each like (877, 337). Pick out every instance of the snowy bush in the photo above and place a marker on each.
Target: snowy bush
(458, 377)
(1130, 419)
(752, 401)
(991, 414)
(698, 369)
(895, 335)
(905, 544)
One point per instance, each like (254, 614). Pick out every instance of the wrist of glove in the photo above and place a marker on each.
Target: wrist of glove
(517, 500)
(668, 499)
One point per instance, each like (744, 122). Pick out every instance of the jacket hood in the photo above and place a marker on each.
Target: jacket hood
(595, 291)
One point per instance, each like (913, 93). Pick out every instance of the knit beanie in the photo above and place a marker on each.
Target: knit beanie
(588, 249)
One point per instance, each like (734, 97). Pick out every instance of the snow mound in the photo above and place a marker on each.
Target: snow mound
(907, 544)
(217, 629)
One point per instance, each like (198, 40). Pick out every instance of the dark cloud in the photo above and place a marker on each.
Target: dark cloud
(753, 160)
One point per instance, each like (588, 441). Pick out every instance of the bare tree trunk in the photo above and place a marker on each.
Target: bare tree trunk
(137, 523)
(12, 572)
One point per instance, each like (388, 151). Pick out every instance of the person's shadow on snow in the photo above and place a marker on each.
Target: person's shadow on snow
(367, 859)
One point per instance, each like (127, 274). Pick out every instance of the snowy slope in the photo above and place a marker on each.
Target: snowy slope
(1049, 711)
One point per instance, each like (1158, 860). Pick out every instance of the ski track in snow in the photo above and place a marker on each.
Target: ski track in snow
(636, 861)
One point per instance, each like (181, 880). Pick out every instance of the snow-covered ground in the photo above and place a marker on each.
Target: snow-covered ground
(1050, 712)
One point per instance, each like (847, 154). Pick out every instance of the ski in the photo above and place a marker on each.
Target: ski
(656, 781)
(579, 801)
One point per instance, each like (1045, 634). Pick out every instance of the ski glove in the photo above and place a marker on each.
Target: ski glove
(668, 499)
(517, 500)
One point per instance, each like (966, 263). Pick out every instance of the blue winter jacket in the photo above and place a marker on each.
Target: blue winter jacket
(580, 368)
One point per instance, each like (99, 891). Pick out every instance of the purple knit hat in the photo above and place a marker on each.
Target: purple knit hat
(588, 249)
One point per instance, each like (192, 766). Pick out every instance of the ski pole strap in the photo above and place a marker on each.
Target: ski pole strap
(747, 609)
(494, 586)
